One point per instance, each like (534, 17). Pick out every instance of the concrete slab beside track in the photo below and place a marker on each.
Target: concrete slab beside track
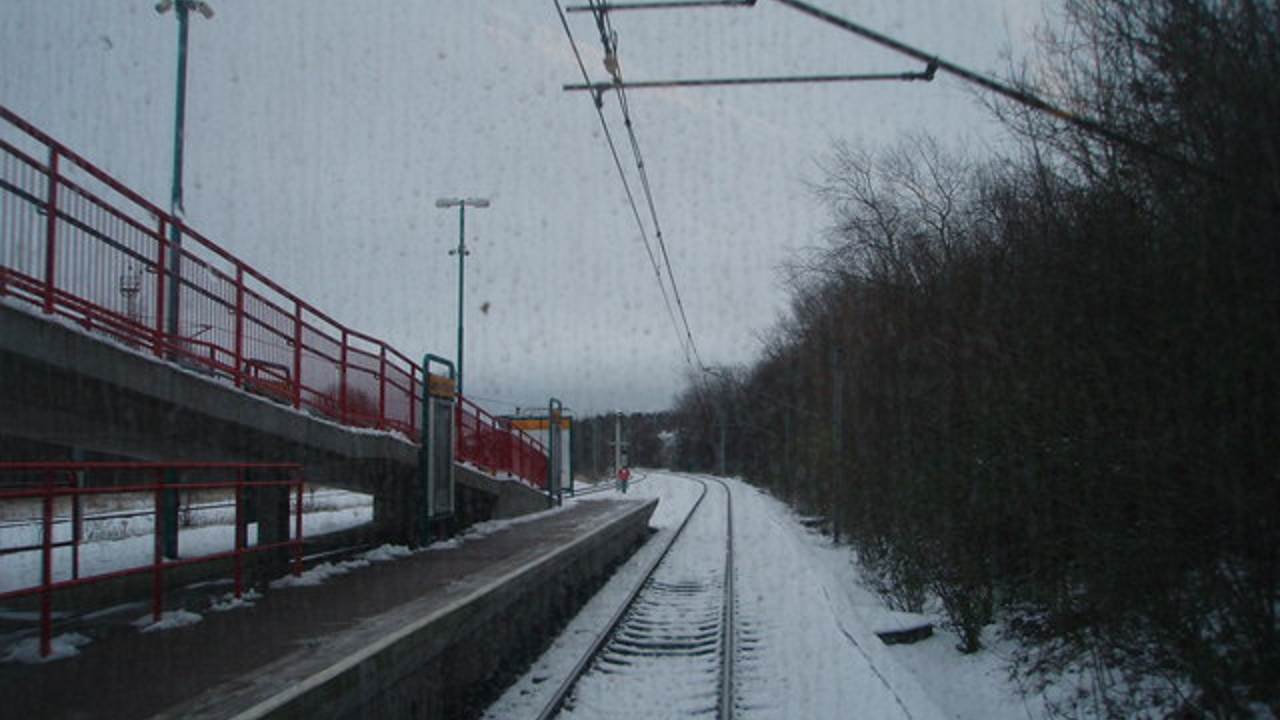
(432, 635)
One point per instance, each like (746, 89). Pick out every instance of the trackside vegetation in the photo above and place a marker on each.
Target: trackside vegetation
(1038, 389)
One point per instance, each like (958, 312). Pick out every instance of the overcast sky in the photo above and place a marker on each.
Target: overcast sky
(320, 133)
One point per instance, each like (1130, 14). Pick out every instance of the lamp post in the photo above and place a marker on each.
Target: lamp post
(183, 10)
(462, 252)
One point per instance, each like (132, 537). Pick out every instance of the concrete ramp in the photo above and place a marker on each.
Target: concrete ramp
(80, 390)
(504, 498)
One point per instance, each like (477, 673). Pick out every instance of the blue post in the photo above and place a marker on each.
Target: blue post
(554, 409)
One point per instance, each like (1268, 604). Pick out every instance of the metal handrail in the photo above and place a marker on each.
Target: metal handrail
(56, 480)
(237, 319)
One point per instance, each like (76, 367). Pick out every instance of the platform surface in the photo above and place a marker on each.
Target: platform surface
(244, 657)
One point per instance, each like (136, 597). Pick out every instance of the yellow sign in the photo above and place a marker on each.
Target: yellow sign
(439, 386)
(537, 423)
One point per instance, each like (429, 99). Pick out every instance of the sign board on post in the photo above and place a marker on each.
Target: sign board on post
(539, 428)
(555, 449)
(436, 463)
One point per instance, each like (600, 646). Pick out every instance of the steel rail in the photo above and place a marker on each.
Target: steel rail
(610, 485)
(557, 700)
(727, 630)
(725, 704)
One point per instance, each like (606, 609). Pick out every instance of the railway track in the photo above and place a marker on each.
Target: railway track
(636, 477)
(670, 647)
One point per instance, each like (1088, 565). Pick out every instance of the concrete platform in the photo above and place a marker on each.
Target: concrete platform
(434, 635)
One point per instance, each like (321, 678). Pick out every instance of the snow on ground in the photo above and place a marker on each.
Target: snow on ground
(325, 570)
(965, 687)
(62, 646)
(800, 655)
(229, 601)
(806, 642)
(666, 657)
(531, 692)
(128, 542)
(169, 620)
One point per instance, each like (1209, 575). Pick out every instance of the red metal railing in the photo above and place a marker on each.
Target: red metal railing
(79, 244)
(57, 483)
(493, 445)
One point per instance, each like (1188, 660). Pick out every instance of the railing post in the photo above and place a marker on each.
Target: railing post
(382, 386)
(297, 354)
(162, 249)
(46, 571)
(342, 377)
(51, 233)
(157, 559)
(239, 333)
(77, 518)
(240, 540)
(413, 403)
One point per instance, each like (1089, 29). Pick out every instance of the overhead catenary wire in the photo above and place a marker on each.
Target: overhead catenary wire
(626, 185)
(1023, 96)
(609, 39)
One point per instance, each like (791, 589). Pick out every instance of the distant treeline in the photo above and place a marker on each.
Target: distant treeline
(642, 433)
(1040, 389)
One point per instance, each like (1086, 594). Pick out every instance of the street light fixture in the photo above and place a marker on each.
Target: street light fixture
(462, 252)
(183, 8)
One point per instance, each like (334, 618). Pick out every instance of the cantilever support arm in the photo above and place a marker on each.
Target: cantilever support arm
(660, 5)
(925, 76)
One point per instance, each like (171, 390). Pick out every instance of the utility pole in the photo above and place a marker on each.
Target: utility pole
(595, 448)
(617, 443)
(786, 454)
(837, 437)
(173, 293)
(724, 421)
(462, 252)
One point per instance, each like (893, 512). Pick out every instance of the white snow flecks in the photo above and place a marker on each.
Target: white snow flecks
(62, 646)
(318, 574)
(169, 620)
(229, 601)
(386, 552)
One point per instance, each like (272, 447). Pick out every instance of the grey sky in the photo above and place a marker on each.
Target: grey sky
(321, 132)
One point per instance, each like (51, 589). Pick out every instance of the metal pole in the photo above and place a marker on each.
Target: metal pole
(724, 421)
(175, 200)
(787, 468)
(837, 438)
(555, 450)
(617, 442)
(462, 254)
(595, 449)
